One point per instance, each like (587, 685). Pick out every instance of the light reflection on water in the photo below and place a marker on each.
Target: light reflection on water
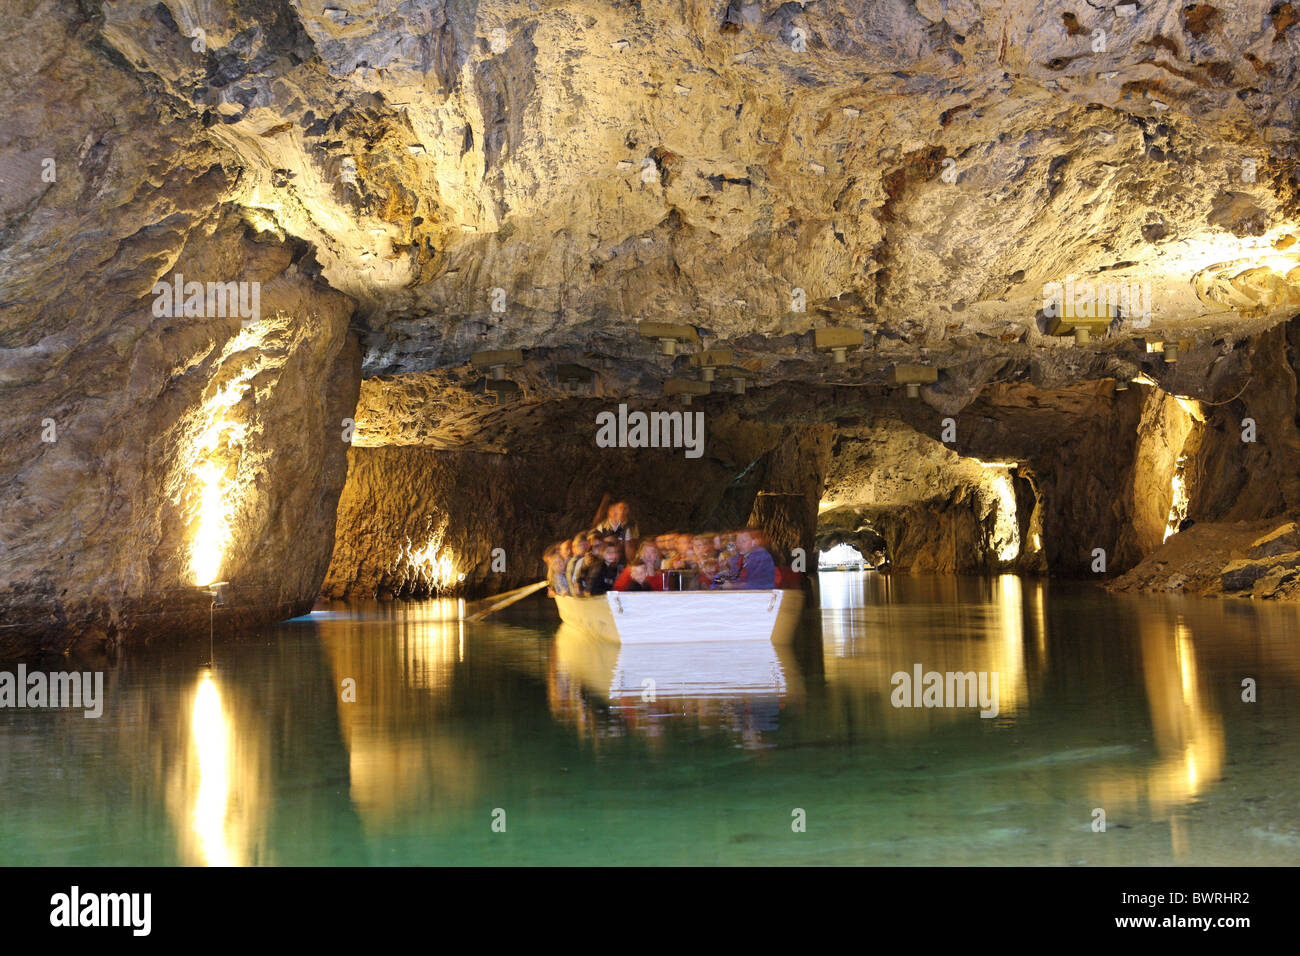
(389, 733)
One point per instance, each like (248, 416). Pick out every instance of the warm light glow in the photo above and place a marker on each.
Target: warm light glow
(432, 565)
(430, 650)
(437, 568)
(1006, 529)
(261, 219)
(1249, 276)
(1007, 656)
(402, 759)
(1178, 506)
(1189, 731)
(1214, 248)
(210, 730)
(868, 637)
(204, 467)
(1191, 406)
(1281, 264)
(214, 528)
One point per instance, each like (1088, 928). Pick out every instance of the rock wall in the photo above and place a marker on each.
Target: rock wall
(934, 508)
(947, 536)
(600, 162)
(792, 478)
(1108, 486)
(1231, 479)
(180, 451)
(1083, 468)
(133, 437)
(1243, 485)
(481, 177)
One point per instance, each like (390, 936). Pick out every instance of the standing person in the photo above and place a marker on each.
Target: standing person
(757, 569)
(618, 524)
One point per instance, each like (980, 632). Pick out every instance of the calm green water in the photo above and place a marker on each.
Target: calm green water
(1129, 705)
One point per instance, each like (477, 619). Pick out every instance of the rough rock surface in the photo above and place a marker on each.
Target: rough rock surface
(493, 176)
(603, 163)
(444, 178)
(1250, 559)
(132, 440)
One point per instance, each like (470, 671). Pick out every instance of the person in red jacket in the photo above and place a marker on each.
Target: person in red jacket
(647, 555)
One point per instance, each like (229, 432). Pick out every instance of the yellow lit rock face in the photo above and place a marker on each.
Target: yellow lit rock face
(446, 180)
(479, 177)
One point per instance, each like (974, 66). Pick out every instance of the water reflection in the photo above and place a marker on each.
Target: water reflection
(394, 670)
(604, 689)
(875, 626)
(1128, 704)
(211, 733)
(218, 793)
(1187, 729)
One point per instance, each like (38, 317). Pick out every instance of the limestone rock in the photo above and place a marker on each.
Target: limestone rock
(1242, 575)
(1284, 540)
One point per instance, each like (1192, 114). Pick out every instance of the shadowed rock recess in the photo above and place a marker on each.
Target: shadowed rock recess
(379, 190)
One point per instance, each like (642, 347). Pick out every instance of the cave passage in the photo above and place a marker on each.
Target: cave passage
(905, 393)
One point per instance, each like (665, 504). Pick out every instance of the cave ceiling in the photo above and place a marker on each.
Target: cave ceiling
(544, 176)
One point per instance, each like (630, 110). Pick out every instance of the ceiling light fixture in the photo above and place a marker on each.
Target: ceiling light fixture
(669, 335)
(686, 388)
(913, 377)
(498, 361)
(838, 341)
(709, 360)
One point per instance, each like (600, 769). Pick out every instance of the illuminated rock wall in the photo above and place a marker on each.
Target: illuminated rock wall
(758, 172)
(1094, 472)
(1242, 485)
(142, 448)
(177, 451)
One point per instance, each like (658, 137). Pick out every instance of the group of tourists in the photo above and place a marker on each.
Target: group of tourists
(613, 557)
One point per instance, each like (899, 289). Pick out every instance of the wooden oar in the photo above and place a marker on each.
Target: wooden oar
(506, 599)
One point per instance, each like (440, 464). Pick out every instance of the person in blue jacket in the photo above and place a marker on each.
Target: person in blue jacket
(757, 569)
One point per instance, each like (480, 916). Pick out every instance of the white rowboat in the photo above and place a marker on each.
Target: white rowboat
(683, 617)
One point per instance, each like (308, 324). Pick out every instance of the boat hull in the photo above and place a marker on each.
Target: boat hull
(686, 617)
